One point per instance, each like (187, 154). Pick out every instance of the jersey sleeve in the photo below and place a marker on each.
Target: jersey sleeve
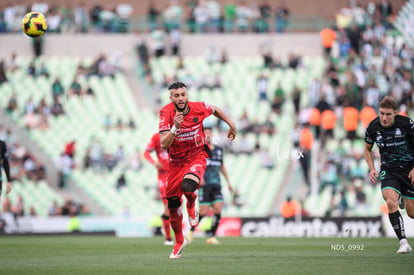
(207, 109)
(164, 120)
(368, 136)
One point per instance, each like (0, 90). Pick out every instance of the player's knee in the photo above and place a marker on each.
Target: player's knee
(189, 185)
(174, 202)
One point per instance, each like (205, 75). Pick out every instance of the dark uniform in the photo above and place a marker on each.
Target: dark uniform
(4, 161)
(210, 192)
(396, 145)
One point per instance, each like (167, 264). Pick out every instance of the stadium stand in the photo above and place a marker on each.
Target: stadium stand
(85, 118)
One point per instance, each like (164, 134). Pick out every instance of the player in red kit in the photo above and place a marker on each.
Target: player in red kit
(162, 165)
(181, 132)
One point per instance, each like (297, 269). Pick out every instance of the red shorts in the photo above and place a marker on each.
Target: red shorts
(177, 171)
(162, 186)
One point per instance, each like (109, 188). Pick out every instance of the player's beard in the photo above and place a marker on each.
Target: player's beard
(181, 109)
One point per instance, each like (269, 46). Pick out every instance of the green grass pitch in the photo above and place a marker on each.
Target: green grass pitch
(111, 255)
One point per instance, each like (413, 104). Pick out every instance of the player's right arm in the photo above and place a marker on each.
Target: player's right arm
(168, 134)
(373, 173)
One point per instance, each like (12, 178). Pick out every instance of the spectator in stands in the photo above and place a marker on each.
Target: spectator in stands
(70, 148)
(305, 145)
(372, 94)
(315, 121)
(3, 76)
(94, 15)
(29, 106)
(32, 211)
(267, 58)
(289, 208)
(14, 63)
(43, 70)
(64, 164)
(18, 209)
(224, 58)
(131, 124)
(294, 61)
(266, 157)
(107, 122)
(175, 41)
(296, 97)
(57, 88)
(265, 13)
(262, 86)
(75, 88)
(37, 44)
(158, 38)
(360, 195)
(244, 123)
(12, 104)
(153, 16)
(119, 125)
(201, 15)
(268, 127)
(329, 176)
(33, 120)
(43, 108)
(243, 146)
(121, 182)
(351, 120)
(281, 15)
(328, 122)
(57, 107)
(366, 115)
(81, 18)
(343, 205)
(328, 36)
(96, 154)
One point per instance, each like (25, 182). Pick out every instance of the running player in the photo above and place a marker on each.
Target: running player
(210, 194)
(4, 162)
(161, 164)
(181, 132)
(394, 136)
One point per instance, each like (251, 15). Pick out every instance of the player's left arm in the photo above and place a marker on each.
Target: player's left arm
(217, 112)
(226, 176)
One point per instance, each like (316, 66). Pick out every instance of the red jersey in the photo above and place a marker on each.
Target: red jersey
(189, 141)
(162, 155)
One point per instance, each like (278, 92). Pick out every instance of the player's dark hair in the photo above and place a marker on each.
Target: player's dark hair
(388, 103)
(177, 85)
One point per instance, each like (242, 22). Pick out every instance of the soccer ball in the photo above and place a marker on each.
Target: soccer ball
(34, 24)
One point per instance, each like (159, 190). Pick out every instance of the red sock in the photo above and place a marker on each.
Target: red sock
(191, 197)
(167, 229)
(176, 219)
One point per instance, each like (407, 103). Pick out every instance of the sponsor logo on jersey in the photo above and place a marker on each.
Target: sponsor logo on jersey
(397, 132)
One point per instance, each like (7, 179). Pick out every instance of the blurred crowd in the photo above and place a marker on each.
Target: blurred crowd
(190, 16)
(367, 60)
(23, 164)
